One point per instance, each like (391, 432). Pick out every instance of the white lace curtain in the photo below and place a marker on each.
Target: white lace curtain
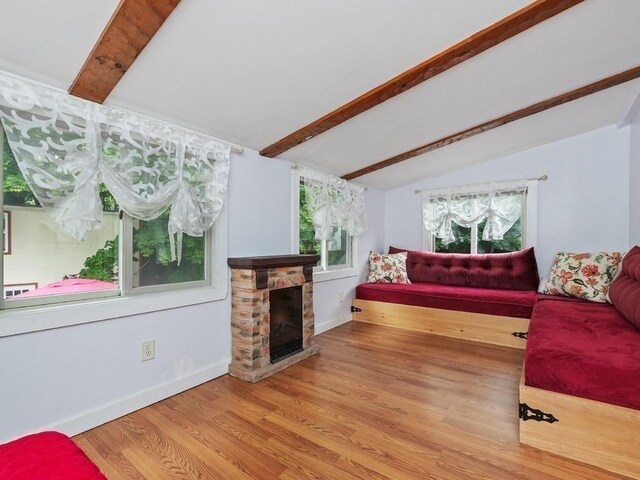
(334, 202)
(66, 147)
(500, 204)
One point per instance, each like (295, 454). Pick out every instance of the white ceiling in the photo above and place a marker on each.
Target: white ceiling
(49, 40)
(253, 71)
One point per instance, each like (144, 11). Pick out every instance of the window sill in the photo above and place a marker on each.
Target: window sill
(33, 319)
(327, 275)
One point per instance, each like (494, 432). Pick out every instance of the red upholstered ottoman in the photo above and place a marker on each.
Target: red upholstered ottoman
(46, 456)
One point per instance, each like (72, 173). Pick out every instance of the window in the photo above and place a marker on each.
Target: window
(65, 146)
(493, 209)
(13, 290)
(47, 266)
(469, 240)
(336, 254)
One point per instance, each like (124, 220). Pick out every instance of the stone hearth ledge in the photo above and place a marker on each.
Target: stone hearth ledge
(254, 376)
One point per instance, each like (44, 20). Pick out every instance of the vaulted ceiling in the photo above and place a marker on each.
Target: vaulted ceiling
(253, 72)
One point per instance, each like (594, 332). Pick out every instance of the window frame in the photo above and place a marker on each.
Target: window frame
(324, 271)
(43, 313)
(529, 221)
(45, 317)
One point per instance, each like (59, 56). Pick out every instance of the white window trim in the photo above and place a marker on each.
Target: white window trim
(45, 317)
(325, 273)
(529, 223)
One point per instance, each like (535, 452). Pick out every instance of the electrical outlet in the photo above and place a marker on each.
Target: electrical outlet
(341, 297)
(148, 350)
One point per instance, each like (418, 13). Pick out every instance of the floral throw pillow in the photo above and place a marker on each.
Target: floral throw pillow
(388, 268)
(583, 275)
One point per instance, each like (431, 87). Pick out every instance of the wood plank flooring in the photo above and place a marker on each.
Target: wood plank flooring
(376, 403)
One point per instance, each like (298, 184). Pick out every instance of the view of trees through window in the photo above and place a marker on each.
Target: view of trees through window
(307, 240)
(337, 249)
(511, 242)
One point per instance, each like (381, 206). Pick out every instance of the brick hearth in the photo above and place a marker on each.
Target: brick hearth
(252, 278)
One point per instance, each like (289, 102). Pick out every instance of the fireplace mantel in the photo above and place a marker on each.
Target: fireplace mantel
(273, 261)
(261, 265)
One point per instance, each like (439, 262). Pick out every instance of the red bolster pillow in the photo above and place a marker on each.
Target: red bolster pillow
(506, 271)
(625, 289)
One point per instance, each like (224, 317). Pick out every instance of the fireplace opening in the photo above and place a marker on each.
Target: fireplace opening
(285, 325)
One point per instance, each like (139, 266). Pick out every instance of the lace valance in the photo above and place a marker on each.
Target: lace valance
(501, 204)
(66, 147)
(334, 202)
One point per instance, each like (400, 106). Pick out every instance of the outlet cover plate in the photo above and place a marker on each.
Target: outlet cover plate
(148, 350)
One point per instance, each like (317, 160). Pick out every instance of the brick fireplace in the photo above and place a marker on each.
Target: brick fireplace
(253, 279)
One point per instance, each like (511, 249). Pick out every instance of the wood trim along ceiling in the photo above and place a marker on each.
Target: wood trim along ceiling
(504, 29)
(580, 92)
(131, 27)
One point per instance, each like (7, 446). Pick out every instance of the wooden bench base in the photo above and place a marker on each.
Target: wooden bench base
(478, 327)
(596, 433)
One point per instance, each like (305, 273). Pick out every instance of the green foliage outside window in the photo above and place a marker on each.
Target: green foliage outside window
(15, 188)
(308, 242)
(462, 243)
(152, 252)
(511, 242)
(103, 264)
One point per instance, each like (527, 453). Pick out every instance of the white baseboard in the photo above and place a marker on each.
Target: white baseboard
(123, 406)
(105, 413)
(336, 322)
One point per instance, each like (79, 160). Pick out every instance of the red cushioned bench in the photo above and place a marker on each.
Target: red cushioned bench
(46, 456)
(584, 349)
(485, 298)
(580, 387)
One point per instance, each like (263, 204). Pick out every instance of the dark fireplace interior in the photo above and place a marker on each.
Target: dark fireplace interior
(285, 310)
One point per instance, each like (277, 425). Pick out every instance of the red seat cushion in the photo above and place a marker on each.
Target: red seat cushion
(506, 271)
(584, 349)
(509, 303)
(625, 289)
(46, 456)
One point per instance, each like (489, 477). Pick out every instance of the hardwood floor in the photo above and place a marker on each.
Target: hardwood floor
(376, 403)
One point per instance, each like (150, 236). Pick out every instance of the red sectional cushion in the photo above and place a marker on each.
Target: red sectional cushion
(509, 303)
(46, 456)
(625, 289)
(506, 271)
(584, 349)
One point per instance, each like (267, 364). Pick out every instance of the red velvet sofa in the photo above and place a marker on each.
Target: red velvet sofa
(584, 349)
(580, 388)
(495, 284)
(484, 298)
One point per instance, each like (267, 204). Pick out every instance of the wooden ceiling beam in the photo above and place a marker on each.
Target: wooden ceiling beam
(131, 27)
(504, 29)
(563, 98)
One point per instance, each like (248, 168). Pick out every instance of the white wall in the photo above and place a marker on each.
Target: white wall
(583, 206)
(74, 378)
(634, 183)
